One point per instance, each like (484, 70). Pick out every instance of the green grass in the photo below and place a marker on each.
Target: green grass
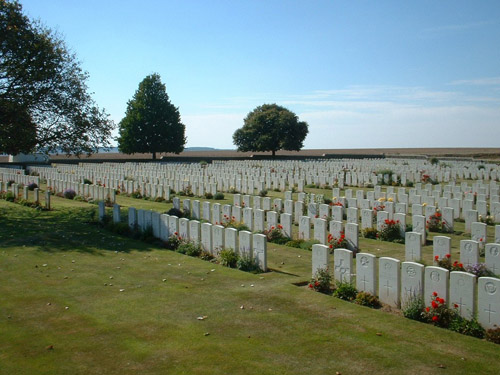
(57, 259)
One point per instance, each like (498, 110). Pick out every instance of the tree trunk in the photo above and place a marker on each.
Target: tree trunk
(154, 155)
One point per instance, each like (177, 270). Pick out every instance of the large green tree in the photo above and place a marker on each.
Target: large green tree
(151, 124)
(44, 104)
(271, 127)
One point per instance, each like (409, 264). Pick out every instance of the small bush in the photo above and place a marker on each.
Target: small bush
(175, 212)
(189, 248)
(337, 243)
(322, 281)
(219, 196)
(32, 186)
(467, 327)
(391, 232)
(248, 264)
(205, 255)
(209, 195)
(173, 241)
(414, 309)
(87, 181)
(367, 299)
(136, 194)
(119, 228)
(493, 335)
(276, 235)
(438, 313)
(370, 233)
(263, 193)
(228, 258)
(480, 270)
(346, 291)
(10, 197)
(69, 194)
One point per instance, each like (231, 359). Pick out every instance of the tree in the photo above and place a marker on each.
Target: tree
(44, 104)
(271, 127)
(151, 123)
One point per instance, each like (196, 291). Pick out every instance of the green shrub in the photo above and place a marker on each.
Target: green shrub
(367, 299)
(205, 255)
(189, 248)
(414, 309)
(493, 335)
(276, 235)
(87, 181)
(263, 193)
(32, 186)
(228, 258)
(438, 313)
(346, 291)
(136, 194)
(248, 264)
(391, 232)
(69, 194)
(10, 197)
(434, 160)
(370, 233)
(119, 228)
(209, 195)
(173, 242)
(467, 327)
(219, 196)
(322, 281)
(175, 212)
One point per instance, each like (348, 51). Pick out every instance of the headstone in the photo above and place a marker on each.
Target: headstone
(173, 225)
(436, 281)
(248, 218)
(352, 236)
(184, 228)
(286, 223)
(206, 237)
(492, 257)
(469, 253)
(155, 224)
(102, 210)
(343, 265)
(488, 302)
(194, 231)
(366, 219)
(320, 231)
(231, 239)
(478, 233)
(260, 250)
(412, 282)
(366, 273)
(320, 254)
(272, 220)
(413, 247)
(217, 239)
(245, 244)
(441, 246)
(463, 293)
(258, 220)
(448, 219)
(419, 227)
(305, 228)
(132, 218)
(389, 281)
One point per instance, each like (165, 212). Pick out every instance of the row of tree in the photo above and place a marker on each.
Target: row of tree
(45, 106)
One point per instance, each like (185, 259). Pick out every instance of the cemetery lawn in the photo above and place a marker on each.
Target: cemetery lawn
(77, 299)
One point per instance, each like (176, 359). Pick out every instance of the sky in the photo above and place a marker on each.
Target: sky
(362, 74)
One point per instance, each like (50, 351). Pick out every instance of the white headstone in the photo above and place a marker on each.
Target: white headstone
(463, 293)
(343, 265)
(389, 281)
(488, 302)
(413, 246)
(412, 282)
(366, 273)
(436, 281)
(320, 254)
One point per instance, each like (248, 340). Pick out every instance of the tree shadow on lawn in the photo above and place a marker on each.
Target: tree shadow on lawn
(61, 230)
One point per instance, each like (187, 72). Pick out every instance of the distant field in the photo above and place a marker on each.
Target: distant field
(477, 153)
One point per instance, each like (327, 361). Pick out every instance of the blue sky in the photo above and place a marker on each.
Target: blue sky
(363, 74)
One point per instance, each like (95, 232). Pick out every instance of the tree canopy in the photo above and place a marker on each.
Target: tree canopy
(151, 124)
(271, 127)
(44, 104)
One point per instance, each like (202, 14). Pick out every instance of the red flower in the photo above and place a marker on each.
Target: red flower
(455, 306)
(280, 226)
(175, 233)
(435, 318)
(448, 256)
(310, 286)
(272, 228)
(460, 265)
(427, 309)
(434, 304)
(436, 257)
(434, 294)
(331, 246)
(316, 283)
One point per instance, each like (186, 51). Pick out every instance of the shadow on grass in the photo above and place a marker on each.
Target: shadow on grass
(68, 229)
